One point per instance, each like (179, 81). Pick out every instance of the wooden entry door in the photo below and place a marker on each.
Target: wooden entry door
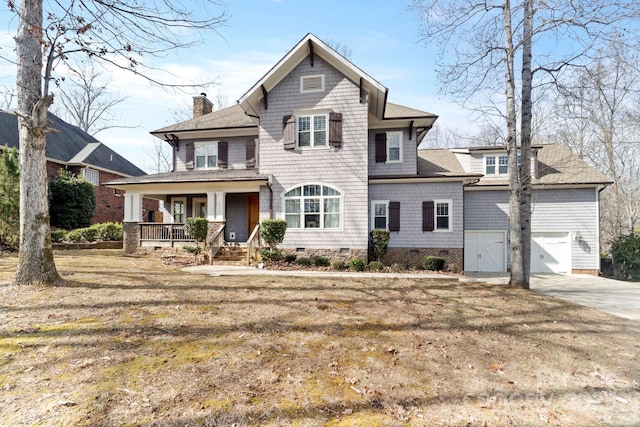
(254, 211)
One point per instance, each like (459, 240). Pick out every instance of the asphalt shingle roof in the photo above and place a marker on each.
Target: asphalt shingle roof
(216, 175)
(70, 145)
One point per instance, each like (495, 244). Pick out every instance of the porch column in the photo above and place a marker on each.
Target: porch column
(132, 207)
(211, 206)
(220, 205)
(132, 216)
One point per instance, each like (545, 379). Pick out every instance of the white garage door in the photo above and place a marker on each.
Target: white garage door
(484, 251)
(550, 252)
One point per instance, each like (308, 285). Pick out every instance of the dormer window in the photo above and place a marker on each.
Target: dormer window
(496, 165)
(206, 155)
(313, 83)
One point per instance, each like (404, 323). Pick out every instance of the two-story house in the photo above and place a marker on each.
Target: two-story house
(316, 142)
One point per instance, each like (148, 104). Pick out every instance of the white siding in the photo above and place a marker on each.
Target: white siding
(411, 197)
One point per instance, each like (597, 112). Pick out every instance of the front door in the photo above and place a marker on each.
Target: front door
(200, 207)
(254, 211)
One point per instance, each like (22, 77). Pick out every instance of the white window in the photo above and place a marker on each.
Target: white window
(177, 210)
(394, 147)
(313, 83)
(496, 165)
(312, 130)
(206, 155)
(380, 214)
(92, 175)
(313, 206)
(442, 215)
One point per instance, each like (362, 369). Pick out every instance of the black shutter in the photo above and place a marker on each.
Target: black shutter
(394, 216)
(251, 154)
(427, 216)
(335, 129)
(381, 147)
(189, 155)
(223, 154)
(289, 132)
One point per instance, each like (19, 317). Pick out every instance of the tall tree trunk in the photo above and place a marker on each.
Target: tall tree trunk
(35, 261)
(515, 218)
(523, 174)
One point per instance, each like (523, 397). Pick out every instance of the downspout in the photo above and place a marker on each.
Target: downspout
(270, 200)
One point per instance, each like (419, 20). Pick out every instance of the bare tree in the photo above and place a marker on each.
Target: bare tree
(118, 33)
(339, 47)
(597, 118)
(479, 41)
(86, 101)
(160, 157)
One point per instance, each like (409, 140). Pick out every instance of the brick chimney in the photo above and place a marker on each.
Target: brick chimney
(201, 105)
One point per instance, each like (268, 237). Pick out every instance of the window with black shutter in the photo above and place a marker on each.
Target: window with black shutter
(250, 154)
(427, 215)
(381, 147)
(335, 129)
(394, 216)
(223, 154)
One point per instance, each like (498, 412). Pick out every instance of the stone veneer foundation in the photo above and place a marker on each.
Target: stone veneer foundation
(333, 254)
(131, 237)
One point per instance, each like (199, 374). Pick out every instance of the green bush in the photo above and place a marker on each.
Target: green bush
(72, 201)
(625, 251)
(9, 198)
(74, 236)
(376, 266)
(290, 258)
(110, 231)
(271, 254)
(304, 261)
(380, 242)
(197, 228)
(356, 264)
(272, 231)
(432, 263)
(338, 264)
(322, 261)
(58, 235)
(193, 250)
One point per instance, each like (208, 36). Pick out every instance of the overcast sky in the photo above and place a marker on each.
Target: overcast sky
(382, 37)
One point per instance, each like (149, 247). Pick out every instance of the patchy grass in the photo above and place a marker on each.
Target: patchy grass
(131, 341)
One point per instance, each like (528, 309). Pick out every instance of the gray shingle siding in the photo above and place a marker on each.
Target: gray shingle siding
(408, 166)
(344, 168)
(572, 210)
(411, 196)
(237, 152)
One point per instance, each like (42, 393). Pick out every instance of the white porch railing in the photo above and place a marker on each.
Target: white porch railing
(158, 232)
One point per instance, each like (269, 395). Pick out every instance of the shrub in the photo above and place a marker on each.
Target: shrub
(193, 250)
(197, 228)
(110, 231)
(289, 258)
(376, 266)
(322, 261)
(356, 264)
(380, 242)
(272, 231)
(71, 201)
(432, 263)
(338, 264)
(304, 261)
(9, 197)
(74, 236)
(625, 251)
(271, 254)
(58, 235)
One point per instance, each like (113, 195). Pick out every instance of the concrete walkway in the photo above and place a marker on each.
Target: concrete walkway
(608, 295)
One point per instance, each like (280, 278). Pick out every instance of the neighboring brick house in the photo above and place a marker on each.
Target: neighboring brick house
(72, 149)
(316, 142)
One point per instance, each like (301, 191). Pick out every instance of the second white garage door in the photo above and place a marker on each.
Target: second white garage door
(550, 252)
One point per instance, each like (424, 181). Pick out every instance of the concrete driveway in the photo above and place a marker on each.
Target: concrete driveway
(608, 295)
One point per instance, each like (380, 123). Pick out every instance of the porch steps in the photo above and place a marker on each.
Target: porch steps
(231, 254)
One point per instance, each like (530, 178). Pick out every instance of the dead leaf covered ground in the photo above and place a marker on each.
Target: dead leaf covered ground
(132, 341)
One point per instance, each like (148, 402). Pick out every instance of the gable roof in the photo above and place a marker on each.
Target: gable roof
(310, 44)
(227, 118)
(557, 165)
(70, 145)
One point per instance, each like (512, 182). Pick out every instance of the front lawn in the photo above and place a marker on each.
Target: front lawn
(132, 341)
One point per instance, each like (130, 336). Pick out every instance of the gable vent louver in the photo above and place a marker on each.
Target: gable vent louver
(312, 83)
